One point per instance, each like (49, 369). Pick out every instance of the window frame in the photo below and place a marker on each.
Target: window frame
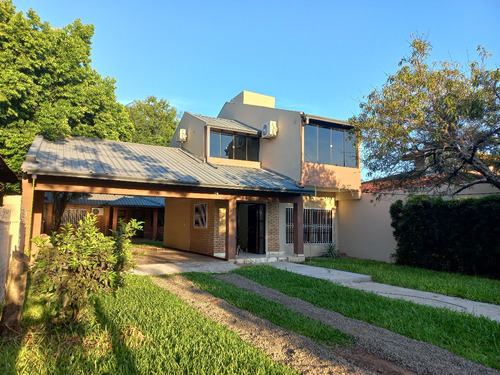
(236, 139)
(333, 152)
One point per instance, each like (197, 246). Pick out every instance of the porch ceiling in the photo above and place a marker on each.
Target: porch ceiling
(97, 159)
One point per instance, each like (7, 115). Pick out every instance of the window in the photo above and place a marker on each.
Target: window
(73, 216)
(329, 146)
(318, 225)
(200, 215)
(238, 147)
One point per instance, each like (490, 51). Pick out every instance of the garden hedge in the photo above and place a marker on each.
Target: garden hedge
(460, 235)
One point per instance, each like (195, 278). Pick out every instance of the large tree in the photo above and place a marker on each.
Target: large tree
(438, 123)
(48, 87)
(154, 121)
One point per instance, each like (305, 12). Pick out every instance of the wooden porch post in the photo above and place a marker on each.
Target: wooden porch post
(155, 224)
(298, 225)
(231, 230)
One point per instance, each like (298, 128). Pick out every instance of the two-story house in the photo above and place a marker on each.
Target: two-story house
(255, 182)
(315, 152)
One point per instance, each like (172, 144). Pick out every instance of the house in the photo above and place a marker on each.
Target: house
(109, 210)
(237, 185)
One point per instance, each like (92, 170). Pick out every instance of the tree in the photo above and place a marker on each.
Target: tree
(48, 87)
(434, 121)
(154, 121)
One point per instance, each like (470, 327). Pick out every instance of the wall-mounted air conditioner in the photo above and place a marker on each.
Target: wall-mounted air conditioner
(182, 135)
(270, 129)
(99, 211)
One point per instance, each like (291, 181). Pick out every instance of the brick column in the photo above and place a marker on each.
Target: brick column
(231, 230)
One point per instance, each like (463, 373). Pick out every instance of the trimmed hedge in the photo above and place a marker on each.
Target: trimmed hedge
(461, 235)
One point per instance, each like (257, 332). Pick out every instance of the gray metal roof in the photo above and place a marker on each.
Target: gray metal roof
(226, 124)
(114, 200)
(121, 161)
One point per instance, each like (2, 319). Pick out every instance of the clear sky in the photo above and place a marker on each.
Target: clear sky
(315, 56)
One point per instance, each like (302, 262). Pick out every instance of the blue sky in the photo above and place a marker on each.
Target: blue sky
(318, 57)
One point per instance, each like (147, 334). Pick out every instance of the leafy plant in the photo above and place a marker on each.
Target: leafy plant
(331, 251)
(79, 261)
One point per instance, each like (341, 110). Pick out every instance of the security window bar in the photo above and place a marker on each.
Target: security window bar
(318, 226)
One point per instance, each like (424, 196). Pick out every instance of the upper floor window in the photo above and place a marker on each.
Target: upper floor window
(238, 147)
(329, 146)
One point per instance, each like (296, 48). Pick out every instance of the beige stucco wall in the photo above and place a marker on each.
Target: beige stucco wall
(331, 176)
(195, 129)
(253, 98)
(10, 228)
(282, 153)
(365, 228)
(365, 225)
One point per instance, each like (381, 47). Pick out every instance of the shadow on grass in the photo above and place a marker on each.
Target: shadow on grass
(123, 356)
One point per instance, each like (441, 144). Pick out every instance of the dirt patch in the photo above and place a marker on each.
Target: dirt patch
(377, 351)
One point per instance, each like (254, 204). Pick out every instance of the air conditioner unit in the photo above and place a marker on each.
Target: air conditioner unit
(182, 135)
(269, 129)
(99, 211)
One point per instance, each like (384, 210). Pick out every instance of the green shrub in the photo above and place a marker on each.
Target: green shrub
(331, 251)
(461, 235)
(71, 266)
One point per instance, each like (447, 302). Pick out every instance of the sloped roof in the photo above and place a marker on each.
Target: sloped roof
(114, 200)
(225, 124)
(121, 161)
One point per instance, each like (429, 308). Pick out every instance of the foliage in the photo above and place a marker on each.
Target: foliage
(275, 312)
(48, 87)
(433, 119)
(474, 338)
(142, 329)
(154, 121)
(331, 251)
(80, 261)
(451, 284)
(456, 235)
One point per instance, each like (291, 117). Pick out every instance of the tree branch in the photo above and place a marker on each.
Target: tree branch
(470, 184)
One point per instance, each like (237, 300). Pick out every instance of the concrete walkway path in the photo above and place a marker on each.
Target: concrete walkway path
(364, 282)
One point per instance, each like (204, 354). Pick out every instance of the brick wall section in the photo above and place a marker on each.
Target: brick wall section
(273, 227)
(202, 239)
(220, 227)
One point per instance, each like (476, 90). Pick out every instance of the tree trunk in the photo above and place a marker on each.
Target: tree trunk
(14, 293)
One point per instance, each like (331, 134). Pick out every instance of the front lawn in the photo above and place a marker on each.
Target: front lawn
(474, 338)
(143, 329)
(451, 284)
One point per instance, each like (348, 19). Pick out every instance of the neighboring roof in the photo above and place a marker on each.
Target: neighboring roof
(114, 200)
(225, 124)
(92, 158)
(404, 182)
(6, 174)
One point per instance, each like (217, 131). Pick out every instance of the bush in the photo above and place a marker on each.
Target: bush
(459, 235)
(79, 261)
(331, 251)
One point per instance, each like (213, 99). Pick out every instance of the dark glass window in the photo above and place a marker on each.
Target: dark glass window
(311, 144)
(238, 147)
(329, 146)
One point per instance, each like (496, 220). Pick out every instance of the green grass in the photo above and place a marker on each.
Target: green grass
(142, 329)
(272, 311)
(474, 338)
(450, 284)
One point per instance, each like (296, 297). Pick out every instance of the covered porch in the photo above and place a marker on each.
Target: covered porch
(201, 199)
